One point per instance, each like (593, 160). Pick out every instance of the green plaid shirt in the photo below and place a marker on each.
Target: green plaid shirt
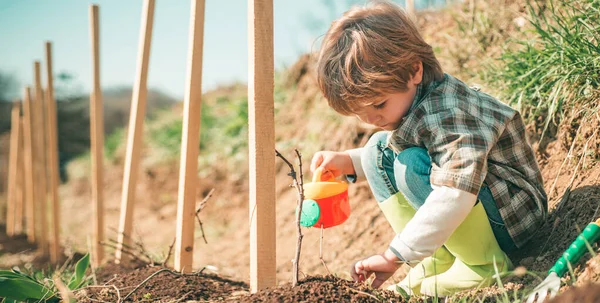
(473, 141)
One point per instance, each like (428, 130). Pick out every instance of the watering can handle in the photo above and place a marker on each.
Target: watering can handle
(321, 174)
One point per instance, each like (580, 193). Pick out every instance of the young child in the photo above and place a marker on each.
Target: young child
(452, 172)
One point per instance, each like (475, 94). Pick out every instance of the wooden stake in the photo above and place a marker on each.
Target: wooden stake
(134, 138)
(15, 135)
(261, 144)
(410, 9)
(20, 195)
(30, 193)
(97, 140)
(52, 136)
(188, 169)
(40, 150)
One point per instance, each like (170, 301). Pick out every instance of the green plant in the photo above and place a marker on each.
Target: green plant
(78, 278)
(112, 143)
(16, 286)
(558, 66)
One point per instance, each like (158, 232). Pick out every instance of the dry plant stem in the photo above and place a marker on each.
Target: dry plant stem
(554, 226)
(300, 189)
(65, 293)
(156, 273)
(362, 293)
(169, 253)
(182, 297)
(125, 250)
(140, 244)
(104, 286)
(64, 266)
(200, 207)
(570, 185)
(321, 251)
(551, 192)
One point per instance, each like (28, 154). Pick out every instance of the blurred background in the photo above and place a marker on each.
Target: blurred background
(26, 24)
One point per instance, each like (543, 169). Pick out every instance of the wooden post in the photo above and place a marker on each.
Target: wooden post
(15, 136)
(134, 138)
(261, 144)
(40, 150)
(52, 136)
(188, 168)
(410, 9)
(97, 140)
(20, 195)
(28, 146)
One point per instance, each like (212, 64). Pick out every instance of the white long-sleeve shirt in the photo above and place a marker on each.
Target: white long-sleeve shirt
(441, 214)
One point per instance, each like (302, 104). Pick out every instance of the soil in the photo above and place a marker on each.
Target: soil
(166, 285)
(117, 283)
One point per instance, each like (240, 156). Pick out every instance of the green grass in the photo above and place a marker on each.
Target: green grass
(112, 143)
(39, 286)
(557, 66)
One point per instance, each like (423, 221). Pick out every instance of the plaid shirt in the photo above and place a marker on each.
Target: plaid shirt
(473, 141)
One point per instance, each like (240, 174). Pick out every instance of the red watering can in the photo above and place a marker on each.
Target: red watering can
(325, 201)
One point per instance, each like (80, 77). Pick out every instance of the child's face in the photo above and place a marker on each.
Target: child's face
(389, 111)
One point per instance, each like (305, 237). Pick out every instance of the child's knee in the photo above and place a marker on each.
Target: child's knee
(414, 155)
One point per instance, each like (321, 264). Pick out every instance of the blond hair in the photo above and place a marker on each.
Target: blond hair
(369, 52)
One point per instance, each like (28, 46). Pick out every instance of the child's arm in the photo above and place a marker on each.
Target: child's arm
(383, 266)
(359, 173)
(443, 211)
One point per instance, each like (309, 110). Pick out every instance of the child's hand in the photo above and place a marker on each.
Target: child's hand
(338, 163)
(383, 266)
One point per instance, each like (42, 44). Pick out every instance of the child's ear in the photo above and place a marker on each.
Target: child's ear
(418, 73)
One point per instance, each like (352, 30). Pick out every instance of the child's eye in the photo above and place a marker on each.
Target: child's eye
(380, 105)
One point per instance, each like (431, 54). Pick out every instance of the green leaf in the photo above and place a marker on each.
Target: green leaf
(78, 278)
(16, 286)
(402, 293)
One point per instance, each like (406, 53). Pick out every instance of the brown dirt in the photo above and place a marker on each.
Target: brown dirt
(366, 232)
(589, 293)
(159, 284)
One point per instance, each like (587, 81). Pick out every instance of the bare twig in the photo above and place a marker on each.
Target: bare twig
(65, 293)
(156, 273)
(126, 250)
(200, 207)
(299, 185)
(145, 281)
(363, 293)
(142, 249)
(169, 253)
(551, 192)
(203, 202)
(106, 286)
(183, 297)
(570, 185)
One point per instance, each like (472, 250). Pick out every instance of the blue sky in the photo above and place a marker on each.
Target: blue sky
(26, 24)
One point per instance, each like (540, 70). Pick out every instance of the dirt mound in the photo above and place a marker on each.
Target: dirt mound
(590, 293)
(323, 289)
(159, 284)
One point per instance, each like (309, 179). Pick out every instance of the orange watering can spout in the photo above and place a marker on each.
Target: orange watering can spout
(325, 201)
